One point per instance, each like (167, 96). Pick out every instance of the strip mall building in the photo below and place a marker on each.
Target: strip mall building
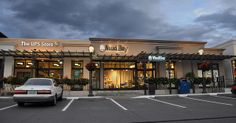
(120, 63)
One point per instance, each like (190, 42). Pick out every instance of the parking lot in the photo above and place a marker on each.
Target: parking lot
(179, 109)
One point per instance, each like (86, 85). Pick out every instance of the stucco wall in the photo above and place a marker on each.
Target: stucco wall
(8, 66)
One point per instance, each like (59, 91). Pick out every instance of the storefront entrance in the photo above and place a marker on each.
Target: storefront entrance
(119, 75)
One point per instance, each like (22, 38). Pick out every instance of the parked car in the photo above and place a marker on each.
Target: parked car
(38, 90)
(233, 89)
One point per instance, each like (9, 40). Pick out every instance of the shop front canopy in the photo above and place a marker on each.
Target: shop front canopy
(140, 57)
(42, 54)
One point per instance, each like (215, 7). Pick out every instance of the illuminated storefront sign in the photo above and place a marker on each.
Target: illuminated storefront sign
(156, 58)
(39, 44)
(113, 48)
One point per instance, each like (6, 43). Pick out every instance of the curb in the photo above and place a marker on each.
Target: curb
(180, 95)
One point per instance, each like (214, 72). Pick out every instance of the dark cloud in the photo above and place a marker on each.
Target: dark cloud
(107, 18)
(225, 19)
(81, 19)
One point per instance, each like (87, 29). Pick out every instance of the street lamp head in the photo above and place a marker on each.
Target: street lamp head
(200, 51)
(91, 49)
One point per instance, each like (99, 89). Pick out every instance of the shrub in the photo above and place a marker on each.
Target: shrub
(66, 80)
(12, 80)
(150, 81)
(164, 80)
(208, 80)
(197, 80)
(83, 81)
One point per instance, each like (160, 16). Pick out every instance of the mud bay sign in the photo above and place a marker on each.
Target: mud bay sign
(156, 58)
(113, 48)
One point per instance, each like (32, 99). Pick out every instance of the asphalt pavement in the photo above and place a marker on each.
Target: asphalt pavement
(173, 109)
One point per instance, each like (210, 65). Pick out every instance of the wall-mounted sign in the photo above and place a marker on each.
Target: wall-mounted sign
(39, 44)
(113, 48)
(156, 58)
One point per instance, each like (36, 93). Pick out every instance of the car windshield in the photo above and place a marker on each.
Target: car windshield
(42, 82)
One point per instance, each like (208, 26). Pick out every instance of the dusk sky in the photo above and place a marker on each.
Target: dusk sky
(213, 21)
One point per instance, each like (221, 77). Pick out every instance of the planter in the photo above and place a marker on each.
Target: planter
(77, 88)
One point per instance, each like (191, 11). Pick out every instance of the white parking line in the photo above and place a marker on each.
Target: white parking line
(221, 103)
(117, 104)
(5, 97)
(8, 107)
(223, 97)
(172, 104)
(67, 106)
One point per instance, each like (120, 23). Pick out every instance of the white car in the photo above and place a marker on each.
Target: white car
(38, 90)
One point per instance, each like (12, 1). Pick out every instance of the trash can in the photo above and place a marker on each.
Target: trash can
(151, 88)
(184, 86)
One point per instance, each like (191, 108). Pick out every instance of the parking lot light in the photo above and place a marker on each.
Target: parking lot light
(91, 50)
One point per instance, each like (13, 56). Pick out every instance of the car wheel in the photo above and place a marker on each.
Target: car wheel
(60, 98)
(54, 101)
(20, 104)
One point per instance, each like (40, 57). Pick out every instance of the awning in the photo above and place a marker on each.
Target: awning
(42, 54)
(140, 57)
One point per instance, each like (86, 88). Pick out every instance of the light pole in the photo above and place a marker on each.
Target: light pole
(91, 50)
(201, 51)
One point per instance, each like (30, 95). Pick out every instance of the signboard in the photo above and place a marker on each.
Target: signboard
(39, 44)
(156, 58)
(113, 48)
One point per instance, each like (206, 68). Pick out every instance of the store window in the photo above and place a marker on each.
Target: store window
(234, 68)
(119, 65)
(23, 68)
(150, 71)
(49, 68)
(77, 69)
(23, 63)
(118, 75)
(170, 69)
(213, 72)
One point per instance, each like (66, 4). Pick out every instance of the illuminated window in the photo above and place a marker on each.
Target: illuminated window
(77, 69)
(170, 69)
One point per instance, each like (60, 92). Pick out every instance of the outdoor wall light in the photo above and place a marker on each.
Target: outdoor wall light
(200, 51)
(77, 64)
(30, 63)
(19, 63)
(132, 66)
(57, 65)
(91, 49)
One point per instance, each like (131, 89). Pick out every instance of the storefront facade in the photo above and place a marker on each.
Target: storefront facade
(120, 63)
(229, 64)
